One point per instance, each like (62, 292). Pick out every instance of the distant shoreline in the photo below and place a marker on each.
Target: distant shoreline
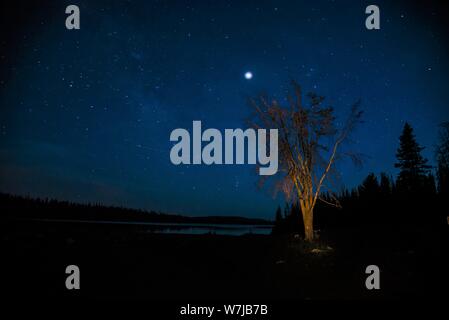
(156, 224)
(195, 229)
(19, 207)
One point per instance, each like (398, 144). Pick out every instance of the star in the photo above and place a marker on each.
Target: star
(248, 75)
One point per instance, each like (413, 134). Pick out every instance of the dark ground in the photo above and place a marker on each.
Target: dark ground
(120, 261)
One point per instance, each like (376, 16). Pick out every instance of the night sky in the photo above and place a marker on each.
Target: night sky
(86, 114)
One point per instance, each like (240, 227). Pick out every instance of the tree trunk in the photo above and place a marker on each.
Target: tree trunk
(307, 215)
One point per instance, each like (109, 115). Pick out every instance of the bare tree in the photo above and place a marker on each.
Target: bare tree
(309, 145)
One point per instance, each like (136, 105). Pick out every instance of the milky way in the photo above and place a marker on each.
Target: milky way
(86, 114)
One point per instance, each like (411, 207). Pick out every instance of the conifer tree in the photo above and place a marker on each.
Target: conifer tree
(443, 160)
(369, 186)
(413, 175)
(385, 184)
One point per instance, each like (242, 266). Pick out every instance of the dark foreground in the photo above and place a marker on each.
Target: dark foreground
(126, 262)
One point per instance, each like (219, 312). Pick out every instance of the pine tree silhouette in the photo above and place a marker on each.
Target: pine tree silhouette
(370, 186)
(443, 160)
(386, 185)
(414, 169)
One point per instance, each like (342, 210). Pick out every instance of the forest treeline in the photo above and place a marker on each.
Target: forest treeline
(19, 207)
(416, 197)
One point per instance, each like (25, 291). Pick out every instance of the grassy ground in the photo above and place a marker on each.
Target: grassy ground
(126, 262)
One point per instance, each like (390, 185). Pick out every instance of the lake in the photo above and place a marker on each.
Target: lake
(199, 228)
(182, 228)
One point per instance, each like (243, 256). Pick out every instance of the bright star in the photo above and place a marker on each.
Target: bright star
(248, 75)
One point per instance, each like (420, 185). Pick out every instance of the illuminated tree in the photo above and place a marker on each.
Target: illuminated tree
(309, 145)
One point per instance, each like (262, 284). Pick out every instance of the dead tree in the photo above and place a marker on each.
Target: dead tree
(309, 145)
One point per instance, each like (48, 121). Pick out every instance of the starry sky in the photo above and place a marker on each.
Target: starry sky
(86, 114)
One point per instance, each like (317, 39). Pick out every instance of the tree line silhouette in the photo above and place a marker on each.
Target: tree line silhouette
(26, 208)
(415, 198)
